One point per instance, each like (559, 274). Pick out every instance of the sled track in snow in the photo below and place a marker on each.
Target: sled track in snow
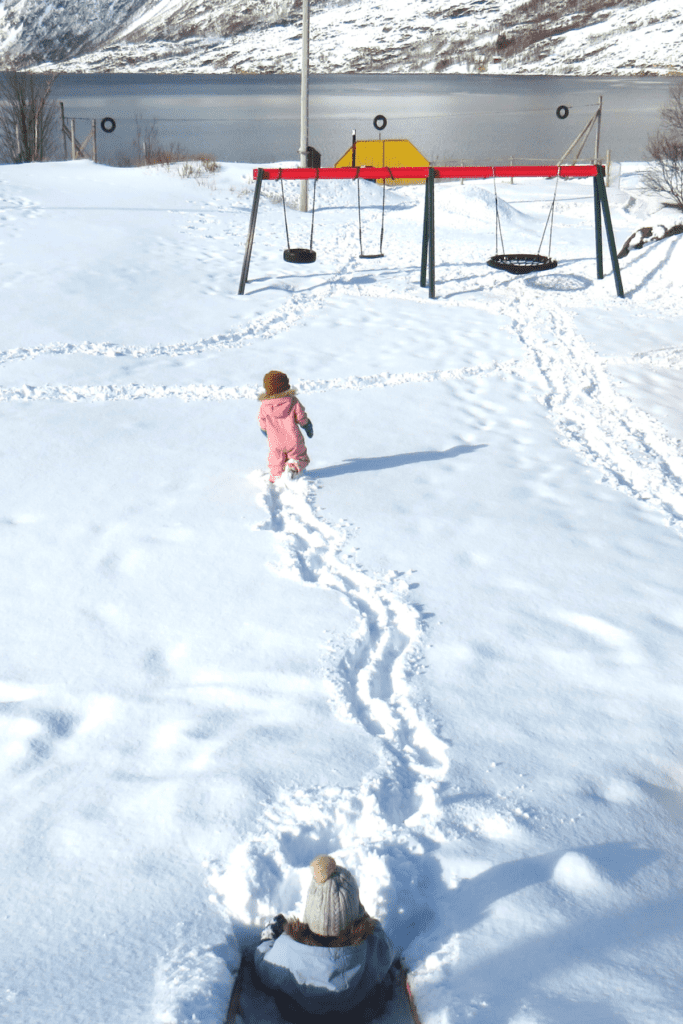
(632, 449)
(369, 676)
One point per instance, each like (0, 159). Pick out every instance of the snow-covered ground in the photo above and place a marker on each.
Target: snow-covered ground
(450, 656)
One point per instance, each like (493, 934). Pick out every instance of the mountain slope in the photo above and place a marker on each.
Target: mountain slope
(263, 36)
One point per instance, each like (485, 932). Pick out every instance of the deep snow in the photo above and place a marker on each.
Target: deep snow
(450, 656)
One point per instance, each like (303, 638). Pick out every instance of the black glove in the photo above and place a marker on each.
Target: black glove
(308, 427)
(275, 929)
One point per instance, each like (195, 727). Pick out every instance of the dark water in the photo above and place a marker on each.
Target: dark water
(450, 118)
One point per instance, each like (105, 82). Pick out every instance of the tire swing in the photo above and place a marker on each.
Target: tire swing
(371, 255)
(523, 262)
(299, 255)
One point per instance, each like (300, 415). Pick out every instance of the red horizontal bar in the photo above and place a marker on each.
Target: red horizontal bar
(507, 171)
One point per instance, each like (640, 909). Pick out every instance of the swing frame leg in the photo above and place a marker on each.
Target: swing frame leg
(600, 200)
(428, 237)
(251, 232)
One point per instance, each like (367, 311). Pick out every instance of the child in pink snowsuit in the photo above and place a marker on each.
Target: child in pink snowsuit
(278, 417)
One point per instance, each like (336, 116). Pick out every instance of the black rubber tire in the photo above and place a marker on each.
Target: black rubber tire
(299, 256)
(380, 118)
(562, 112)
(107, 121)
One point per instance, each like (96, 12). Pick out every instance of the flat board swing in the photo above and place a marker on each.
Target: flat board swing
(299, 255)
(523, 262)
(380, 123)
(371, 255)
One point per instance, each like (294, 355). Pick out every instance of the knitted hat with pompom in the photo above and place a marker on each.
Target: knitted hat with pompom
(274, 382)
(333, 902)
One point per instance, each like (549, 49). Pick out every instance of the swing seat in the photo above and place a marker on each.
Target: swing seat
(521, 262)
(299, 256)
(371, 256)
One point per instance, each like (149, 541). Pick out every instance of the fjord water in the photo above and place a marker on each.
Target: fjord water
(450, 118)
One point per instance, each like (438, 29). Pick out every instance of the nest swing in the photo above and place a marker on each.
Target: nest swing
(523, 262)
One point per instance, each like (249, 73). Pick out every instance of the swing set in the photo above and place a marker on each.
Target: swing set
(513, 263)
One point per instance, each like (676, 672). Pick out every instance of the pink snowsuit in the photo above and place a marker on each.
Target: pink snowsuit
(279, 417)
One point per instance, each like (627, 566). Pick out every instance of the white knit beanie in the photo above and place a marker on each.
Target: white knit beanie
(333, 902)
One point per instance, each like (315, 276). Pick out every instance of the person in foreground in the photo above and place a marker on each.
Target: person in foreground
(334, 962)
(279, 418)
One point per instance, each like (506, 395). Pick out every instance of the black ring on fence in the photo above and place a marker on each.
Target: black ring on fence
(106, 122)
(380, 122)
(562, 112)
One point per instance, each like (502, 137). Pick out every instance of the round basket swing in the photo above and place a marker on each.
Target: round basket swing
(523, 262)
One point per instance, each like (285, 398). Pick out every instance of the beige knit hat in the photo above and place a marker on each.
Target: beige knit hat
(333, 902)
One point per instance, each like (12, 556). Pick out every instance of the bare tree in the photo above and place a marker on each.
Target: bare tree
(28, 121)
(664, 177)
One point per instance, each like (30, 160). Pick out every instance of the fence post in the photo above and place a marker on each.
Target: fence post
(73, 139)
(61, 114)
(512, 180)
(16, 132)
(94, 141)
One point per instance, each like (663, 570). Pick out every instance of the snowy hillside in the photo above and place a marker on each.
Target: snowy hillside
(450, 656)
(628, 37)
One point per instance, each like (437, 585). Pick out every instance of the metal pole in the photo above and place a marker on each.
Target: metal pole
(353, 148)
(303, 144)
(61, 111)
(425, 238)
(597, 136)
(73, 139)
(94, 141)
(602, 191)
(432, 283)
(598, 228)
(252, 229)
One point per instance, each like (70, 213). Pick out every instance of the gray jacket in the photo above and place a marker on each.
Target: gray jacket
(323, 979)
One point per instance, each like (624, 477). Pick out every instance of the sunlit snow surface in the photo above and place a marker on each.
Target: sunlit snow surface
(450, 656)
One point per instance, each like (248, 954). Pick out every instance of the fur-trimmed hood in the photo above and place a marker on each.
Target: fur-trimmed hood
(263, 397)
(356, 933)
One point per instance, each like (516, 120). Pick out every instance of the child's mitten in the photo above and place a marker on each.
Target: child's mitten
(264, 432)
(308, 427)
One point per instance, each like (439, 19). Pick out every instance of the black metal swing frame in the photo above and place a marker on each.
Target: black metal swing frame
(290, 255)
(427, 265)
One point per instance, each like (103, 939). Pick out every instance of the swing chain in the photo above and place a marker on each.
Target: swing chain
(499, 229)
(315, 182)
(360, 227)
(284, 207)
(550, 218)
